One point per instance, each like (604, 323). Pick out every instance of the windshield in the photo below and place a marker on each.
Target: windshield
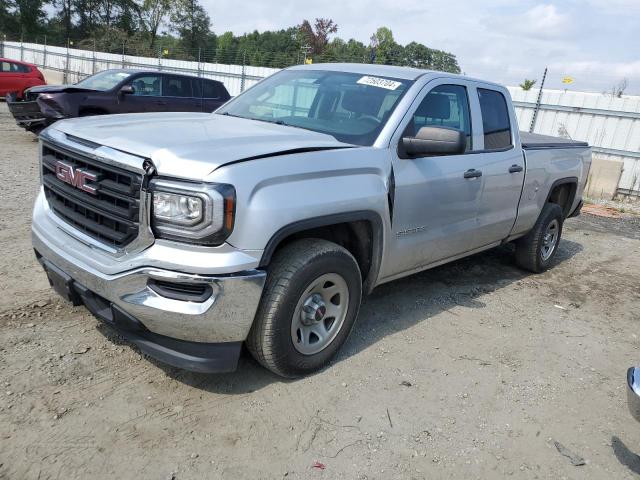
(104, 80)
(351, 107)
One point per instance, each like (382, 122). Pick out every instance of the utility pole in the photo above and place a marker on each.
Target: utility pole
(537, 107)
(243, 76)
(66, 68)
(93, 59)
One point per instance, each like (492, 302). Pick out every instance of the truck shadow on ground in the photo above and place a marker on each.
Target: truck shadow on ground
(625, 456)
(394, 307)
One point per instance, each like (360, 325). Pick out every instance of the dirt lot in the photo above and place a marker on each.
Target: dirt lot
(471, 370)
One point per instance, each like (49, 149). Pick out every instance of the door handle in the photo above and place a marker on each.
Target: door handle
(515, 169)
(472, 173)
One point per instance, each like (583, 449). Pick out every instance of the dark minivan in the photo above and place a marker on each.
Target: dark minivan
(117, 91)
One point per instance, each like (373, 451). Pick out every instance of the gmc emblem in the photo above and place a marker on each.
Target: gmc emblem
(76, 177)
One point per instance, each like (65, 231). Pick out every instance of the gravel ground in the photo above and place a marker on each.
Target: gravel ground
(471, 370)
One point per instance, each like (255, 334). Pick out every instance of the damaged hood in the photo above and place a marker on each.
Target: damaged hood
(192, 145)
(57, 89)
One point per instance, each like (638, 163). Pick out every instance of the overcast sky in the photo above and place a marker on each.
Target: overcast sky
(596, 42)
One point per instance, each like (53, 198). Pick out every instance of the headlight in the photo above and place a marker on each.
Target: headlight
(200, 213)
(177, 209)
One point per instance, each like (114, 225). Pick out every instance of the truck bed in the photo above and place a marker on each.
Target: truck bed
(533, 141)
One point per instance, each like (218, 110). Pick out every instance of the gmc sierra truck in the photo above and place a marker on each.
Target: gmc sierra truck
(266, 222)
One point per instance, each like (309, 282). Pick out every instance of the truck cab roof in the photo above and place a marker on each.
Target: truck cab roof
(403, 73)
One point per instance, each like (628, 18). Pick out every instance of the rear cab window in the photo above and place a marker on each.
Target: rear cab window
(496, 123)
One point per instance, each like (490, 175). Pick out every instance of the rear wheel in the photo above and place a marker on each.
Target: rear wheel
(309, 305)
(536, 250)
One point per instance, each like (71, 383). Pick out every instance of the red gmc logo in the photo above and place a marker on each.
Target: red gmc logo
(76, 177)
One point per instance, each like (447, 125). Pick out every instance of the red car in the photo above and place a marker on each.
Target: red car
(17, 76)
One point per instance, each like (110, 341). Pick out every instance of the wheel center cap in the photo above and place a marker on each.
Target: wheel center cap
(313, 310)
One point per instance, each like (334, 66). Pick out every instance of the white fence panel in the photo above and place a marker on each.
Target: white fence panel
(611, 125)
(80, 63)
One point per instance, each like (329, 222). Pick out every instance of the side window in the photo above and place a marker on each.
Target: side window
(8, 67)
(211, 90)
(147, 86)
(495, 119)
(23, 68)
(177, 87)
(444, 106)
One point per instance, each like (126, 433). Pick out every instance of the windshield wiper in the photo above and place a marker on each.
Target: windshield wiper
(285, 124)
(277, 122)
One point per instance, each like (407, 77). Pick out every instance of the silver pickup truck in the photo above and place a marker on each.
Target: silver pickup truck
(266, 222)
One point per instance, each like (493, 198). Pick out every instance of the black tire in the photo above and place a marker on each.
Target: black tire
(293, 269)
(531, 253)
(36, 129)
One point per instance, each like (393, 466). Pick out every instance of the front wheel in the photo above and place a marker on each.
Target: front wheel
(309, 305)
(536, 250)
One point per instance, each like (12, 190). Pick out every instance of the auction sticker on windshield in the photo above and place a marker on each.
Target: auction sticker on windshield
(379, 82)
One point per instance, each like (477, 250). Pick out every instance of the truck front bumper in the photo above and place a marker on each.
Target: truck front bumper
(150, 297)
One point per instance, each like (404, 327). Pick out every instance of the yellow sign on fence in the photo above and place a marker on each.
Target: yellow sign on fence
(567, 80)
(308, 61)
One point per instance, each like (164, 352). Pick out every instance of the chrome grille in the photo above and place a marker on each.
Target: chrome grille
(111, 215)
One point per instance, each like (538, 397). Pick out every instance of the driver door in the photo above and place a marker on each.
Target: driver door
(436, 204)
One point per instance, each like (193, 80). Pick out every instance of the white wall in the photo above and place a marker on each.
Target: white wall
(610, 125)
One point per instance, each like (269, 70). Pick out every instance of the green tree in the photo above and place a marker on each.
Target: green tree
(340, 51)
(384, 48)
(154, 14)
(8, 24)
(317, 37)
(527, 84)
(190, 20)
(24, 18)
(418, 56)
(445, 62)
(66, 10)
(225, 50)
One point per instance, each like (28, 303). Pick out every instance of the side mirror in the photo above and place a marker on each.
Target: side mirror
(435, 141)
(127, 90)
(633, 392)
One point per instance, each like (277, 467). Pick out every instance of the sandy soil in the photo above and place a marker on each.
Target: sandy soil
(471, 370)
